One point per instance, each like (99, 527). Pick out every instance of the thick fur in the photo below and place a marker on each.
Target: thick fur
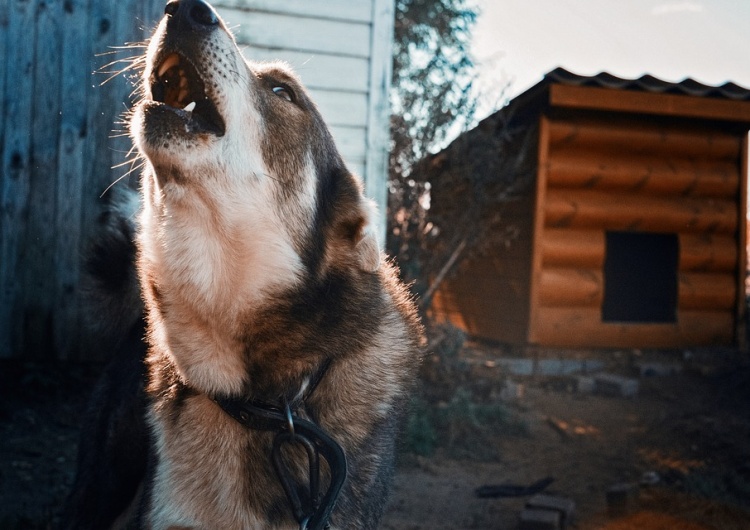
(258, 263)
(113, 448)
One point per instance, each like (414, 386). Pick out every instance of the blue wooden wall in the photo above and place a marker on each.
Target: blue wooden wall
(58, 144)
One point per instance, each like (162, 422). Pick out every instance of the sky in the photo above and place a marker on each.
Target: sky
(517, 41)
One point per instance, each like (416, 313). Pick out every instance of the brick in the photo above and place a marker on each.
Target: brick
(562, 505)
(616, 385)
(534, 519)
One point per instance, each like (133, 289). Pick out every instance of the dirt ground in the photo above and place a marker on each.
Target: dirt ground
(687, 433)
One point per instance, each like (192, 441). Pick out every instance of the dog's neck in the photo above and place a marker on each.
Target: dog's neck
(218, 255)
(216, 265)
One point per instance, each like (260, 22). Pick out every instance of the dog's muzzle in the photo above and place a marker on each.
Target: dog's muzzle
(176, 80)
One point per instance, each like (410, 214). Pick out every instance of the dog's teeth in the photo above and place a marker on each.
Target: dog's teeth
(168, 63)
(190, 106)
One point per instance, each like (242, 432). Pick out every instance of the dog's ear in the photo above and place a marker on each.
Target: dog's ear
(355, 242)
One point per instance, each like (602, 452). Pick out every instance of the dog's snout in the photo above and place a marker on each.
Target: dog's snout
(195, 14)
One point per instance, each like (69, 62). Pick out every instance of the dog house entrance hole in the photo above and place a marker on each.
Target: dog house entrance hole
(640, 277)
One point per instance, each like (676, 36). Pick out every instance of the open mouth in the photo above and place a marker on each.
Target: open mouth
(176, 84)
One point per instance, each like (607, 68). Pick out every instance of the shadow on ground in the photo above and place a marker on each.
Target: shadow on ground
(688, 432)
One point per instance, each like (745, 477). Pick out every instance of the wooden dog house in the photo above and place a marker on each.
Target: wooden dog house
(632, 228)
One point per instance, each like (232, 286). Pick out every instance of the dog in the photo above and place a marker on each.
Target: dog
(280, 347)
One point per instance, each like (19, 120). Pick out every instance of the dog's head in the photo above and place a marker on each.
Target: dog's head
(239, 148)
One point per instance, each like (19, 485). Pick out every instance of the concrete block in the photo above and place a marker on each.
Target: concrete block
(616, 385)
(549, 367)
(533, 519)
(592, 365)
(562, 505)
(585, 384)
(512, 391)
(517, 366)
(559, 367)
(650, 369)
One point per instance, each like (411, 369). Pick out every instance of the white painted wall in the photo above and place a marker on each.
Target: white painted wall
(342, 51)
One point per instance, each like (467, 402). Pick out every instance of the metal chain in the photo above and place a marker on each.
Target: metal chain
(291, 429)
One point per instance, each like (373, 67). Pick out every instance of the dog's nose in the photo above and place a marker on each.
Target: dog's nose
(195, 13)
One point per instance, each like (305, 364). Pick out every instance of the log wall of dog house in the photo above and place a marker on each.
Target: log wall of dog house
(602, 177)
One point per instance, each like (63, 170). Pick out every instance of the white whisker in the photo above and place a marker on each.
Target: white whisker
(134, 168)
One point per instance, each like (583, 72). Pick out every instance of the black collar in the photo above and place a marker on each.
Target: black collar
(312, 513)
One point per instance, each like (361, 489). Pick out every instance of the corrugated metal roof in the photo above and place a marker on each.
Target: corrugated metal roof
(649, 83)
(536, 99)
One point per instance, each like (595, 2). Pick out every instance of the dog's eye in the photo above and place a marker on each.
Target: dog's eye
(284, 92)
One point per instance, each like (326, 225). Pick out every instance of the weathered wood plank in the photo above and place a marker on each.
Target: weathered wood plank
(99, 109)
(351, 141)
(126, 29)
(643, 138)
(347, 109)
(708, 253)
(16, 170)
(378, 111)
(4, 19)
(114, 28)
(545, 131)
(332, 9)
(619, 211)
(153, 11)
(663, 175)
(596, 98)
(76, 80)
(571, 287)
(702, 291)
(273, 30)
(99, 112)
(582, 327)
(40, 275)
(563, 247)
(319, 70)
(103, 106)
